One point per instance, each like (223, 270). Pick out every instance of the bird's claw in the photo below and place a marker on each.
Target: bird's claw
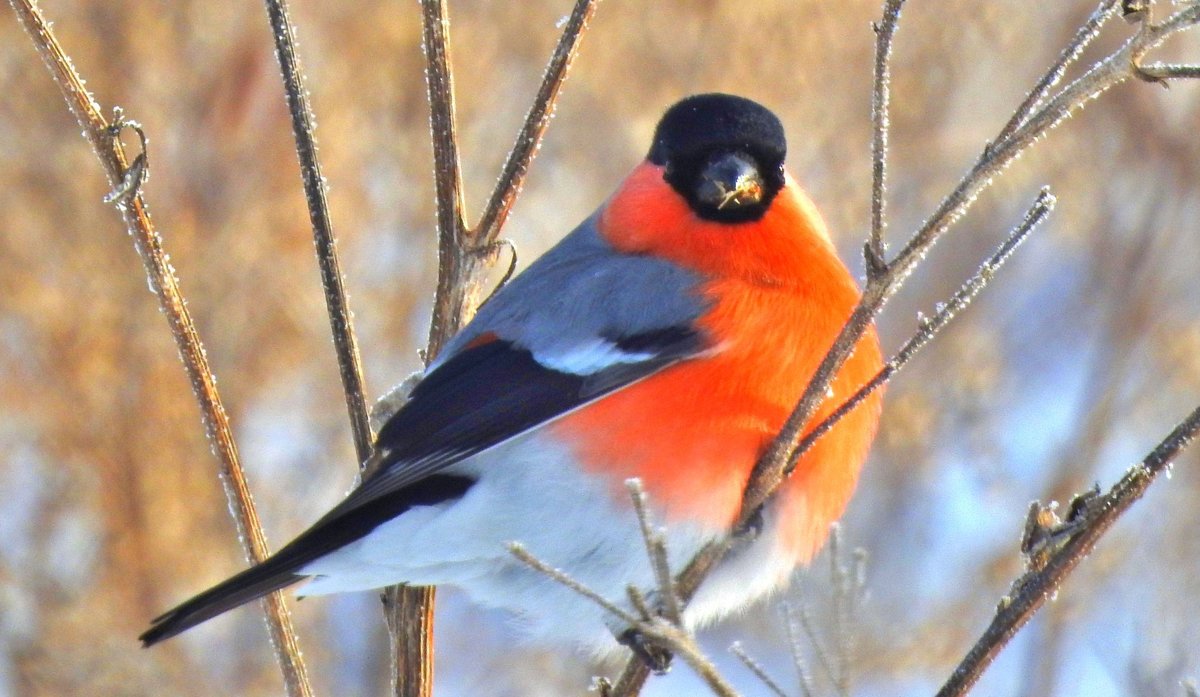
(656, 658)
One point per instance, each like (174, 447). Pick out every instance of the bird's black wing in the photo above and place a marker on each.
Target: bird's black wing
(480, 397)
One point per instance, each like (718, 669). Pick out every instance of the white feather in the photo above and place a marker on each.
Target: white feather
(530, 490)
(588, 357)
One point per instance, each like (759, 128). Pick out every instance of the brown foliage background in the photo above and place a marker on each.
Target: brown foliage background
(1082, 354)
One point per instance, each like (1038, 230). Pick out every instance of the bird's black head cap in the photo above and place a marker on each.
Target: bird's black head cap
(723, 153)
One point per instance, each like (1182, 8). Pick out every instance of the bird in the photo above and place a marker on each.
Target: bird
(666, 338)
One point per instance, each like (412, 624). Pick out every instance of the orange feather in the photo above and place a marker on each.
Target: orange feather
(780, 295)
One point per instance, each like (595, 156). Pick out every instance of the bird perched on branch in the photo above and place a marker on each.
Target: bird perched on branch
(666, 338)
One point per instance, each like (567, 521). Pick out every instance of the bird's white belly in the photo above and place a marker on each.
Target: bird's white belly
(530, 490)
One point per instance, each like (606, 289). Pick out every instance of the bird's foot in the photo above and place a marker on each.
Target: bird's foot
(656, 658)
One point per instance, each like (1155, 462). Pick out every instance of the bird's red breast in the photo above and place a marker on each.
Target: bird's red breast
(692, 432)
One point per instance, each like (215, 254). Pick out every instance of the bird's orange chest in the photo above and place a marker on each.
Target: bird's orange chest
(692, 432)
(779, 295)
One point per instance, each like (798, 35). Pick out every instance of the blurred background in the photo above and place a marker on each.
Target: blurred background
(1078, 359)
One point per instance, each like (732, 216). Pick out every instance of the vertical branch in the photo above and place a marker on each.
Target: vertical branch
(409, 614)
(512, 176)
(462, 254)
(409, 609)
(885, 30)
(126, 182)
(457, 261)
(344, 341)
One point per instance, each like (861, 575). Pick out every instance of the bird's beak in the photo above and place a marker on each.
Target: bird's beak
(730, 181)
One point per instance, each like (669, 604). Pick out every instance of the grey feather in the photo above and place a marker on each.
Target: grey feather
(582, 291)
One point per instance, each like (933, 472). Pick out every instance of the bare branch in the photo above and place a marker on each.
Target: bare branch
(1091, 517)
(1118, 67)
(930, 326)
(519, 551)
(453, 301)
(756, 668)
(774, 464)
(512, 176)
(463, 254)
(824, 659)
(409, 609)
(656, 550)
(340, 319)
(1170, 71)
(1083, 37)
(657, 630)
(127, 195)
(885, 30)
(791, 623)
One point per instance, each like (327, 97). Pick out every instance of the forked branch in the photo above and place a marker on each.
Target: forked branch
(1045, 111)
(463, 256)
(1063, 547)
(663, 627)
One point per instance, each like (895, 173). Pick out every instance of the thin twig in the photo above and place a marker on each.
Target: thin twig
(457, 287)
(105, 141)
(756, 668)
(1096, 516)
(519, 551)
(1118, 67)
(842, 611)
(512, 176)
(683, 644)
(848, 581)
(637, 600)
(814, 638)
(1083, 37)
(657, 630)
(1170, 71)
(409, 609)
(656, 551)
(340, 318)
(773, 466)
(792, 625)
(885, 31)
(930, 326)
(462, 257)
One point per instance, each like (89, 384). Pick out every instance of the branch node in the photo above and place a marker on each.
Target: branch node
(873, 257)
(487, 250)
(1135, 11)
(137, 173)
(1148, 75)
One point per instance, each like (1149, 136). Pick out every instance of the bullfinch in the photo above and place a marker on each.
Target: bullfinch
(666, 338)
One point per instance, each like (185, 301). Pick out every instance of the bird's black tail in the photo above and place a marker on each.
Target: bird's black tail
(251, 584)
(350, 520)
